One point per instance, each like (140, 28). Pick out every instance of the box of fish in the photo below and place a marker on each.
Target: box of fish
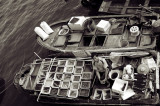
(61, 62)
(87, 76)
(85, 84)
(55, 63)
(56, 84)
(74, 85)
(71, 62)
(84, 92)
(73, 93)
(76, 78)
(66, 77)
(54, 91)
(58, 76)
(78, 70)
(46, 90)
(60, 69)
(50, 75)
(65, 84)
(62, 92)
(53, 69)
(69, 69)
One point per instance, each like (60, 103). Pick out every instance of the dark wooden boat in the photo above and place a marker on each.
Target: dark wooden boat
(53, 80)
(128, 6)
(117, 38)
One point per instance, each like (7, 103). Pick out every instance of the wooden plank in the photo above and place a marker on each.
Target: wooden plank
(125, 5)
(105, 6)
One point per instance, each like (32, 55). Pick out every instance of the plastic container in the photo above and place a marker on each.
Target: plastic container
(51, 75)
(48, 83)
(79, 63)
(71, 62)
(74, 85)
(68, 69)
(55, 63)
(53, 69)
(63, 92)
(73, 93)
(46, 90)
(58, 76)
(65, 84)
(87, 75)
(56, 84)
(78, 70)
(85, 84)
(76, 78)
(62, 62)
(67, 77)
(60, 69)
(54, 91)
(84, 92)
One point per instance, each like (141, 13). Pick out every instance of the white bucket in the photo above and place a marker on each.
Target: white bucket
(134, 31)
(41, 33)
(113, 74)
(46, 27)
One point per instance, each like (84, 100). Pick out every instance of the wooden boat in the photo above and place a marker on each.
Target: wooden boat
(72, 80)
(127, 6)
(91, 38)
(120, 6)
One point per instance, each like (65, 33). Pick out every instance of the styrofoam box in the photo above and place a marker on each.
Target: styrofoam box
(103, 25)
(119, 86)
(77, 25)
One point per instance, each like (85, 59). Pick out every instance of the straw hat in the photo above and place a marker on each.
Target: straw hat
(143, 69)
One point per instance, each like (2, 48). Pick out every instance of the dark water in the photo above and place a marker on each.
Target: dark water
(18, 18)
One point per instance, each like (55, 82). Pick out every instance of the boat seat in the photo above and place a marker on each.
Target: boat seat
(75, 37)
(113, 41)
(60, 41)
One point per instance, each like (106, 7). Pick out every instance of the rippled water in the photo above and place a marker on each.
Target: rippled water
(18, 18)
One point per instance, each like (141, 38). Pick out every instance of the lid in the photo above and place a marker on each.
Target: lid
(143, 69)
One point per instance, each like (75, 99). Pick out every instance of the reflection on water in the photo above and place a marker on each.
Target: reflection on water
(18, 40)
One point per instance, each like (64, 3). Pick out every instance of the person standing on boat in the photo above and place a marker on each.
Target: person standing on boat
(100, 66)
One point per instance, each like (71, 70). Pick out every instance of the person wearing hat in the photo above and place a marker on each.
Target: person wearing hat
(100, 66)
